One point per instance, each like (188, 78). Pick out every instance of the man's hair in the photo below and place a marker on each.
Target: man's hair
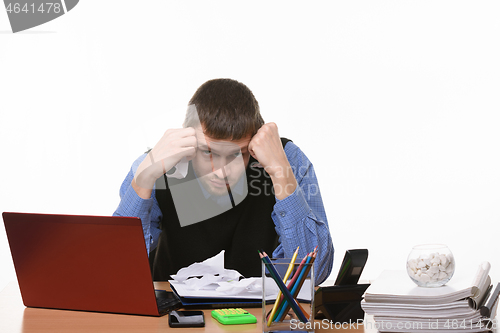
(226, 108)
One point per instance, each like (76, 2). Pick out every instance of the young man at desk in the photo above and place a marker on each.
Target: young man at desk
(226, 181)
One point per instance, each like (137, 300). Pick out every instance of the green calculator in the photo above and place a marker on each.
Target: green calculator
(233, 316)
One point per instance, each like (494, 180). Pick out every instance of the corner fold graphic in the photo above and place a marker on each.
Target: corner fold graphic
(26, 14)
(70, 4)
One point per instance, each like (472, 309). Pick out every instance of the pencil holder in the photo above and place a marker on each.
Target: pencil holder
(278, 314)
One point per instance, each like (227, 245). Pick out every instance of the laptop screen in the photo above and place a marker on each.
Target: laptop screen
(91, 263)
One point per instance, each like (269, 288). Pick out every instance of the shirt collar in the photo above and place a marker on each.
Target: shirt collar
(238, 188)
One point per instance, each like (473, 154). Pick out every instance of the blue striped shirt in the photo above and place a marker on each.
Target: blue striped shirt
(299, 219)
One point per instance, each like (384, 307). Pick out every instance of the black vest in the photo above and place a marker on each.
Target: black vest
(240, 231)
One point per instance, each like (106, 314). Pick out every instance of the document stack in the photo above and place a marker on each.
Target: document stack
(466, 303)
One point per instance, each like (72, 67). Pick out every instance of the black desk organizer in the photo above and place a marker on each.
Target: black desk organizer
(340, 304)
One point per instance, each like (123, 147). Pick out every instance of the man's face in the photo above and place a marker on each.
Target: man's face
(219, 164)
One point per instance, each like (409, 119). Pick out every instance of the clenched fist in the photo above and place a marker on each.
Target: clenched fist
(266, 148)
(170, 149)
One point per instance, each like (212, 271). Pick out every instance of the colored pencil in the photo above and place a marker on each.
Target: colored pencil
(286, 293)
(280, 315)
(297, 286)
(287, 275)
(292, 282)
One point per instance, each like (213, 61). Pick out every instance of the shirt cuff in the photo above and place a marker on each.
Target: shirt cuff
(291, 210)
(133, 205)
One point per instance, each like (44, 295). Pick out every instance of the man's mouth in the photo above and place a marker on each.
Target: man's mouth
(218, 183)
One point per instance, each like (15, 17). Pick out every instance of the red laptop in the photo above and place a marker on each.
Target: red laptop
(89, 263)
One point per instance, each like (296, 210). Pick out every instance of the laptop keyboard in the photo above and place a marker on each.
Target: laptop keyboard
(167, 300)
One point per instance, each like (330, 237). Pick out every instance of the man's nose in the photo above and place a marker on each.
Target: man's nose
(220, 168)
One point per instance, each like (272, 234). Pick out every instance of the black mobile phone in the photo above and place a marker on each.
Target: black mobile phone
(186, 319)
(352, 267)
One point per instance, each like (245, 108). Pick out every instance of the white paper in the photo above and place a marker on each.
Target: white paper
(181, 169)
(253, 290)
(211, 280)
(399, 305)
(212, 270)
(396, 286)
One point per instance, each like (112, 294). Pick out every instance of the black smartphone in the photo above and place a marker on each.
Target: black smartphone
(186, 319)
(352, 267)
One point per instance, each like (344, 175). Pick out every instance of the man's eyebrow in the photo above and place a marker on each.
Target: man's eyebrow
(236, 151)
(206, 147)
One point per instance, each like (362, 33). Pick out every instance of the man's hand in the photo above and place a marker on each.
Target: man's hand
(266, 148)
(172, 147)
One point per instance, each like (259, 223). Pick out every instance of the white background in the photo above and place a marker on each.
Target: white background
(396, 103)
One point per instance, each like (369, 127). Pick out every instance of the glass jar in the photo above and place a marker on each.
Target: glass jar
(430, 265)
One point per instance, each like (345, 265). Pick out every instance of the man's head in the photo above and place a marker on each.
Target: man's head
(226, 108)
(229, 116)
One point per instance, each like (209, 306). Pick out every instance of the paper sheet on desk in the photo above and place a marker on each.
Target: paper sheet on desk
(218, 282)
(211, 270)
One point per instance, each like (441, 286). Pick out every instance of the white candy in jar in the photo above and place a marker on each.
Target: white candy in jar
(431, 269)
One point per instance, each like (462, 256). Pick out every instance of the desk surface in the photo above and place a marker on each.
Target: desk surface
(15, 317)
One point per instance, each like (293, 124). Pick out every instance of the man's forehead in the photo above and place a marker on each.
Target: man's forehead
(206, 141)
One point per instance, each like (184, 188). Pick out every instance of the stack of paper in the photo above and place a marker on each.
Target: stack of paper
(398, 305)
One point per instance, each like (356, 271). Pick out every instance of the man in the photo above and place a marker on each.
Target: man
(226, 181)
